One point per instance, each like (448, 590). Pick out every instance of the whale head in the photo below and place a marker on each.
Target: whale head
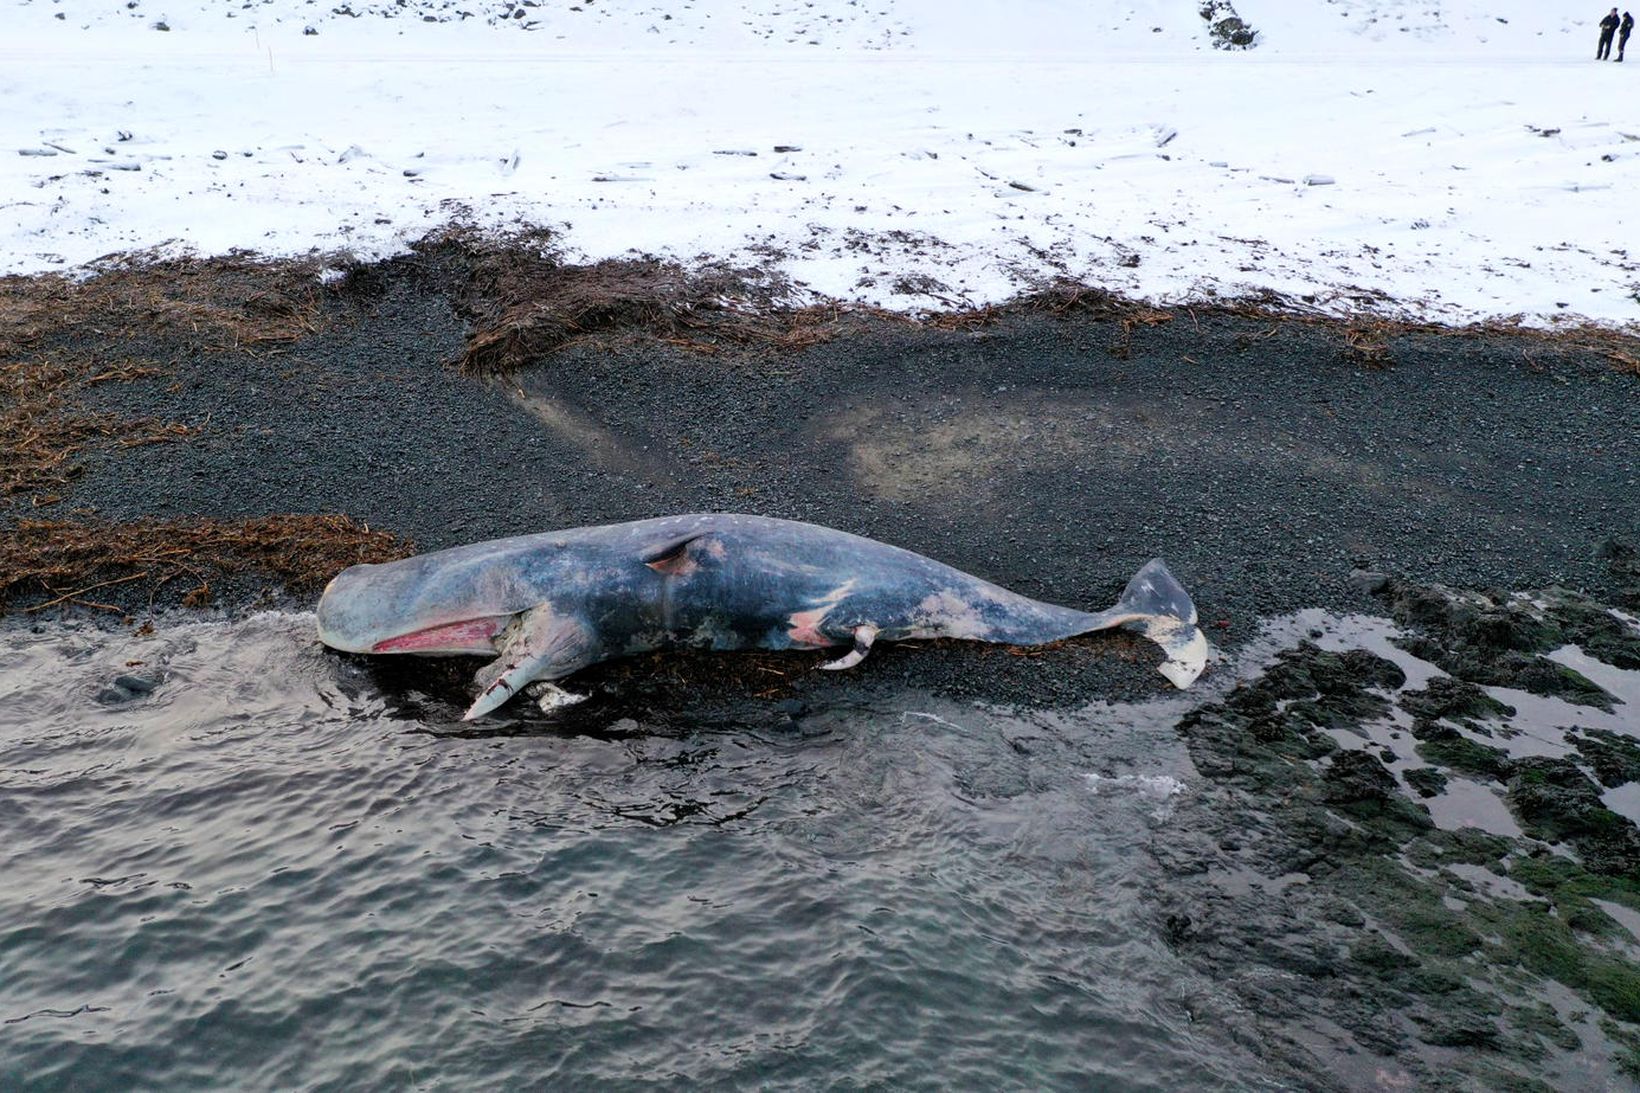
(438, 603)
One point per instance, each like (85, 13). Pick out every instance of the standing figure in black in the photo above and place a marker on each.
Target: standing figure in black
(1608, 27)
(1624, 29)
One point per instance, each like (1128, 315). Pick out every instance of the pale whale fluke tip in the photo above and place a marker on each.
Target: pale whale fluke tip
(1185, 660)
(1160, 609)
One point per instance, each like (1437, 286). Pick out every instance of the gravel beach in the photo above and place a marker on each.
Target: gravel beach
(1292, 471)
(1263, 457)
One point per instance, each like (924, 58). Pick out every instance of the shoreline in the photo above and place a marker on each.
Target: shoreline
(245, 430)
(472, 391)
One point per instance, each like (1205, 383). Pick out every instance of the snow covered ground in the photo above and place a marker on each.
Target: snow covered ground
(1459, 159)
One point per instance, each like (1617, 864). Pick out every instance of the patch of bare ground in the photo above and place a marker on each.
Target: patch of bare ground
(62, 338)
(52, 563)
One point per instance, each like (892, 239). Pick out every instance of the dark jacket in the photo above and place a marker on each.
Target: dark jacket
(1608, 24)
(1627, 26)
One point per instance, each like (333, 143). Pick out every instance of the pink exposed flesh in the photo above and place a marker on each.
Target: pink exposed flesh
(469, 634)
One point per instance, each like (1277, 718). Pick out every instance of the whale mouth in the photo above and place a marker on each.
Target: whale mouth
(467, 636)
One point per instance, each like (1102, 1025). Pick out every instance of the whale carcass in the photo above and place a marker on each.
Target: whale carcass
(545, 606)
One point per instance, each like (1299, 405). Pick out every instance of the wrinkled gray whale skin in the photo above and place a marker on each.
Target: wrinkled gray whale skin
(545, 606)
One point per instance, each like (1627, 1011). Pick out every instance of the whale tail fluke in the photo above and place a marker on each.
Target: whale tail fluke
(1155, 605)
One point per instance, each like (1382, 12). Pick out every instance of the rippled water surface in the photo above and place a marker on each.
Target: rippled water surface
(264, 873)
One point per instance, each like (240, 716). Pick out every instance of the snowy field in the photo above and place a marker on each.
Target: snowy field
(1452, 159)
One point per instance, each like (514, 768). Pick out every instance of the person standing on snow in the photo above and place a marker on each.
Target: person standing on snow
(1608, 27)
(1624, 29)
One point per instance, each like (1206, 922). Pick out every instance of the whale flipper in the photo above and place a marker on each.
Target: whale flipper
(543, 645)
(863, 637)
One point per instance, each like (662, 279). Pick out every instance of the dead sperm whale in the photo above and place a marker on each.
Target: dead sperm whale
(545, 606)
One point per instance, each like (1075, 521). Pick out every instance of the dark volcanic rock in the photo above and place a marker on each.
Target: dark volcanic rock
(1353, 777)
(127, 688)
(1455, 700)
(1556, 801)
(1427, 781)
(1495, 639)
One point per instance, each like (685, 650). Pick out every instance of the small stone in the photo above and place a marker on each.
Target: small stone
(1369, 581)
(137, 685)
(127, 688)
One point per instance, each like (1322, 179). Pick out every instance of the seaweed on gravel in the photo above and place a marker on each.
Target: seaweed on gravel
(51, 563)
(44, 425)
(230, 301)
(524, 301)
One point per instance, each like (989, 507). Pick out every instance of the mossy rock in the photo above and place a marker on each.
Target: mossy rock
(1379, 958)
(1613, 757)
(1568, 883)
(1446, 747)
(1489, 621)
(1436, 930)
(1555, 800)
(1455, 700)
(1463, 1018)
(1508, 668)
(1614, 984)
(1434, 981)
(1357, 776)
(1425, 781)
(1467, 845)
(1541, 1019)
(1536, 939)
(1495, 640)
(1594, 629)
(1277, 716)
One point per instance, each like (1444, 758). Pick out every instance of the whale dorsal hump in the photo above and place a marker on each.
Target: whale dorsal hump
(673, 558)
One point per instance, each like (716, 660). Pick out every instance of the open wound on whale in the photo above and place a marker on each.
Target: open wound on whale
(805, 625)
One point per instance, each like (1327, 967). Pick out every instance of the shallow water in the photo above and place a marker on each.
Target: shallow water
(236, 860)
(267, 874)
